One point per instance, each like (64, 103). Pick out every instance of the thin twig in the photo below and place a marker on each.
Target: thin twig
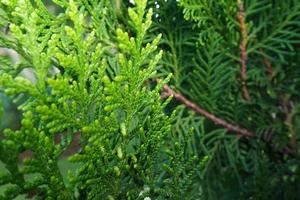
(243, 51)
(231, 127)
(269, 68)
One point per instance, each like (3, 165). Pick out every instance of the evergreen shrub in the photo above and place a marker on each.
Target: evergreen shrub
(165, 99)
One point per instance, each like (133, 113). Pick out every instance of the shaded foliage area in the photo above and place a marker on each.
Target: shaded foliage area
(207, 36)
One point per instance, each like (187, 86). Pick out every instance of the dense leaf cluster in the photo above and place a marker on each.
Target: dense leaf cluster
(202, 40)
(97, 69)
(89, 78)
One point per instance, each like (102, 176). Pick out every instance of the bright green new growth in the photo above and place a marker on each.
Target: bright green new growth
(90, 77)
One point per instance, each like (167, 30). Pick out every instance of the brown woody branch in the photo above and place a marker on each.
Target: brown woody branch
(218, 121)
(231, 127)
(243, 51)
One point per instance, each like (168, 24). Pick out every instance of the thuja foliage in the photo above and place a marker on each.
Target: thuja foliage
(207, 44)
(99, 72)
(90, 77)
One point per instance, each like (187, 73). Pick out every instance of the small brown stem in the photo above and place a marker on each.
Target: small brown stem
(231, 127)
(286, 108)
(243, 51)
(269, 68)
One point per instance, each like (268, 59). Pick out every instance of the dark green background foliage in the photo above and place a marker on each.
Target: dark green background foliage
(82, 110)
